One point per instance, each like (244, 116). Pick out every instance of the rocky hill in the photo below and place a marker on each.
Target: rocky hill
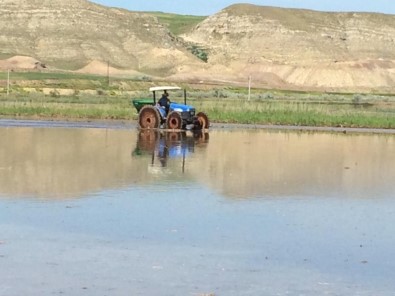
(281, 48)
(77, 33)
(300, 48)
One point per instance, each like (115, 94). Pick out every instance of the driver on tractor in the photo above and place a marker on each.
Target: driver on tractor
(165, 101)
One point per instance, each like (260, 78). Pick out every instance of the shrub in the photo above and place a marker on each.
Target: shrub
(54, 93)
(100, 92)
(199, 52)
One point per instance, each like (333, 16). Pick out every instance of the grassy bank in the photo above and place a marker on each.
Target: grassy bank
(78, 96)
(300, 112)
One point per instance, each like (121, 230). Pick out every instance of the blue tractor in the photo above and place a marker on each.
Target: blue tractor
(175, 116)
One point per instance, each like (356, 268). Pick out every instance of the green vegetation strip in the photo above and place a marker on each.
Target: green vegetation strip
(76, 112)
(272, 112)
(304, 119)
(178, 24)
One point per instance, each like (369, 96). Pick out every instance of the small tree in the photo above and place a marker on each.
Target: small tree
(199, 52)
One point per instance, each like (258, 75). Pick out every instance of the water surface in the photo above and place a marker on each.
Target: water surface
(100, 210)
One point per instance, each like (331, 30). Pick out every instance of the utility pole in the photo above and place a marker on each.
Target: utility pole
(249, 87)
(108, 73)
(8, 82)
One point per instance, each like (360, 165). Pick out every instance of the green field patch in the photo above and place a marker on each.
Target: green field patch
(81, 96)
(178, 24)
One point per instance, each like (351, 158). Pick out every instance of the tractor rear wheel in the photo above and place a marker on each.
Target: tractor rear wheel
(174, 120)
(203, 122)
(149, 117)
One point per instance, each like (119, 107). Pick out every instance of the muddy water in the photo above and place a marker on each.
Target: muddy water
(101, 210)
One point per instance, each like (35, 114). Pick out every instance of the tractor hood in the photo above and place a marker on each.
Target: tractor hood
(181, 107)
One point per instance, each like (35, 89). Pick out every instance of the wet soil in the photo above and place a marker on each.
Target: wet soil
(133, 124)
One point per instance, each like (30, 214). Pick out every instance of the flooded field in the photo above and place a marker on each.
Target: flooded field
(96, 209)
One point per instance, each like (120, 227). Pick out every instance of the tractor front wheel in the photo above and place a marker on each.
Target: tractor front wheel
(202, 121)
(149, 117)
(174, 120)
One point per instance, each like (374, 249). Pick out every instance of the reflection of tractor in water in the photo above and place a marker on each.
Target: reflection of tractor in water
(165, 145)
(172, 116)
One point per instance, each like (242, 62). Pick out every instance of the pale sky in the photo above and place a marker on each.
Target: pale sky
(209, 7)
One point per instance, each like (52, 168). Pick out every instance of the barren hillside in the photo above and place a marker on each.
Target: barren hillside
(300, 48)
(279, 48)
(72, 34)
